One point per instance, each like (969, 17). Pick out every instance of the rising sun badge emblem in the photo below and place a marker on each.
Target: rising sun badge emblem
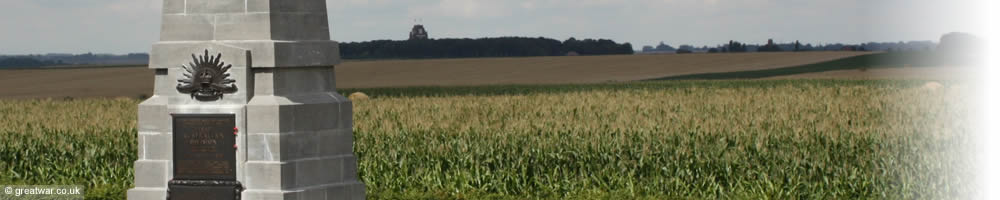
(206, 78)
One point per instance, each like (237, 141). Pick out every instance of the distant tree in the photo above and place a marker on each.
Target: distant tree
(24, 62)
(685, 47)
(957, 42)
(735, 47)
(797, 45)
(648, 48)
(664, 47)
(769, 47)
(483, 47)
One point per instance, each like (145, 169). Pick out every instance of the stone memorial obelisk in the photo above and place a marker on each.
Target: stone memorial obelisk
(244, 106)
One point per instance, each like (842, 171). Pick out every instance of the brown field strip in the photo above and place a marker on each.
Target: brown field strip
(84, 82)
(136, 81)
(549, 70)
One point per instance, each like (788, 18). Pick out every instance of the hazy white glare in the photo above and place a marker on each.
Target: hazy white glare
(990, 98)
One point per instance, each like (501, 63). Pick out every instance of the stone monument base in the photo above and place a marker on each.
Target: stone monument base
(268, 66)
(335, 191)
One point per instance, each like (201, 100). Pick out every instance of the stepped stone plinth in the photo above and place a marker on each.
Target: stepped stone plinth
(257, 74)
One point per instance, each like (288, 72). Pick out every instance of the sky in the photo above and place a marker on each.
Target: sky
(126, 26)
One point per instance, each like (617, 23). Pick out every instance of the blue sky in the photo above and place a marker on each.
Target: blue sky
(123, 26)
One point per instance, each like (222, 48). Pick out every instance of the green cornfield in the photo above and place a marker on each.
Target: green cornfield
(762, 139)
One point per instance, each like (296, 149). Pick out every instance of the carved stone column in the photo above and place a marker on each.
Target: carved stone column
(269, 65)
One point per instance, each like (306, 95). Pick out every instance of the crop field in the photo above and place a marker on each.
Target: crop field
(759, 139)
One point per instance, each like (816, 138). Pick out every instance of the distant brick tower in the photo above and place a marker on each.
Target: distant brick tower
(418, 33)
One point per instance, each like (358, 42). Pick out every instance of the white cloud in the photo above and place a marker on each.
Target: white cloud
(471, 9)
(43, 26)
(122, 26)
(528, 5)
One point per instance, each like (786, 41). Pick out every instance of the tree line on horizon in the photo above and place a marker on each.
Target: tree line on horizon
(56, 59)
(482, 47)
(952, 43)
(24, 61)
(380, 49)
(737, 47)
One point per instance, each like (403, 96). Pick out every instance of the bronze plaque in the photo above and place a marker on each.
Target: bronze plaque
(204, 147)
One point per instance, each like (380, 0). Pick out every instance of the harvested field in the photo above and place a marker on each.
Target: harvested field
(921, 73)
(550, 70)
(137, 81)
(81, 82)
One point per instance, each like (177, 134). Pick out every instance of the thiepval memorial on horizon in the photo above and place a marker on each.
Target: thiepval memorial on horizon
(244, 106)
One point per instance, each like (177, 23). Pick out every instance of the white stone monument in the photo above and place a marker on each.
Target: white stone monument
(244, 106)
